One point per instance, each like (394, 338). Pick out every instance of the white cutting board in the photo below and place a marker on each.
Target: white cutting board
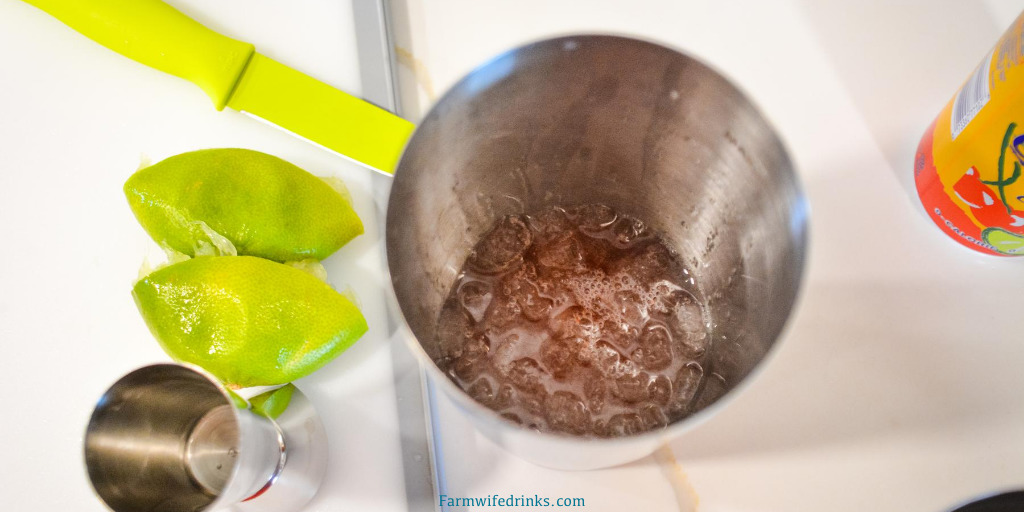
(75, 120)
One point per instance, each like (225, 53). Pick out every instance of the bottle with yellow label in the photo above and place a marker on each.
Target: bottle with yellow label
(969, 163)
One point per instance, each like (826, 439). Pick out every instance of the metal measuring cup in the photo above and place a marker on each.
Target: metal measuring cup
(170, 438)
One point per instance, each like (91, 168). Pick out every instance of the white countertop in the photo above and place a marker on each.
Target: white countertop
(897, 387)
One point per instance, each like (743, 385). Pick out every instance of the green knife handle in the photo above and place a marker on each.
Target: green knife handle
(158, 35)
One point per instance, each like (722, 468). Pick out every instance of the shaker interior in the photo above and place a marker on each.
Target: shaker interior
(597, 119)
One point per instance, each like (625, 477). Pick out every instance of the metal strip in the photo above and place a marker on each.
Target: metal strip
(377, 67)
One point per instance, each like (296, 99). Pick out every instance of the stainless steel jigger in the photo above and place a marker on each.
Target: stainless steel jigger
(169, 438)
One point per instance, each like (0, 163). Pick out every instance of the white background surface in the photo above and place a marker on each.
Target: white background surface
(75, 119)
(899, 385)
(897, 388)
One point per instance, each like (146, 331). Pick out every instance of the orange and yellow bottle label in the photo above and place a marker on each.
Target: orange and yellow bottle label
(969, 165)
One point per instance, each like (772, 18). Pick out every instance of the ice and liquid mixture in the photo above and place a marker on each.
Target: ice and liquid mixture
(576, 320)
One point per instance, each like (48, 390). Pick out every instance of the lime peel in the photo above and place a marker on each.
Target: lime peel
(246, 320)
(237, 400)
(265, 206)
(339, 186)
(272, 403)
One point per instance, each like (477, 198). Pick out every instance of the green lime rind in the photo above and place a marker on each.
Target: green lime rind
(1003, 241)
(246, 320)
(237, 400)
(272, 403)
(263, 205)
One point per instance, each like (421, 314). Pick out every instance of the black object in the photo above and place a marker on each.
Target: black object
(1007, 502)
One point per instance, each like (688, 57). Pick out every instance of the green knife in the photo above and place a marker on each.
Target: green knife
(233, 74)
